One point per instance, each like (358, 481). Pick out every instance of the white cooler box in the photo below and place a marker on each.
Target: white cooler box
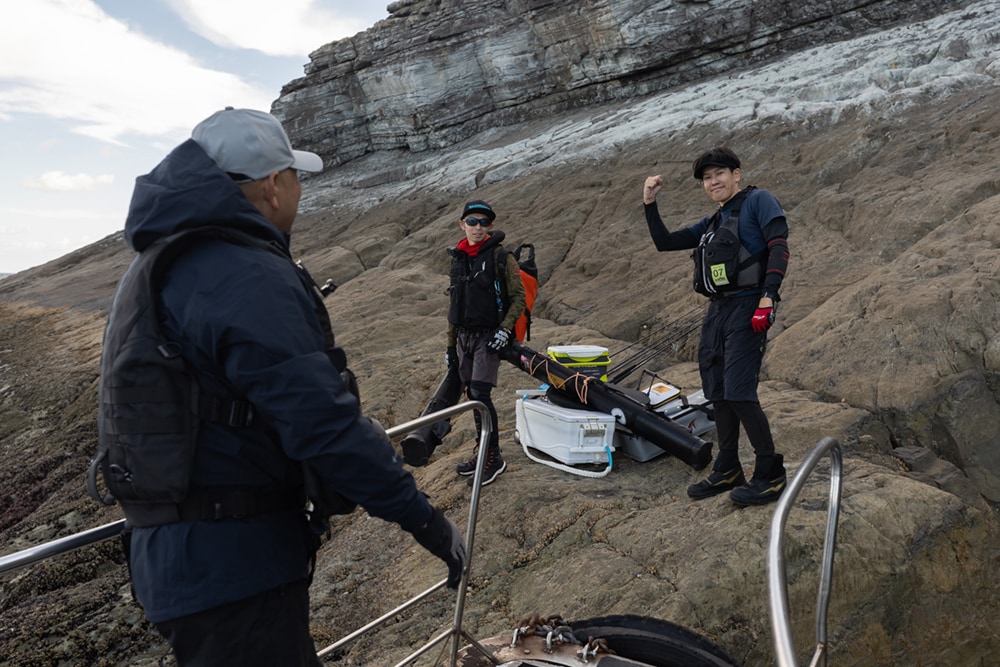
(567, 435)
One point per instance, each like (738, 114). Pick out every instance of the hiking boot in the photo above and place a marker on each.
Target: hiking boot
(415, 452)
(467, 468)
(491, 469)
(764, 489)
(716, 483)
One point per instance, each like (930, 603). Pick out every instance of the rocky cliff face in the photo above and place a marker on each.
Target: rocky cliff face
(882, 150)
(439, 71)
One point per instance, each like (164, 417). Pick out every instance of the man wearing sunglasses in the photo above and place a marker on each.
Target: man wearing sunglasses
(487, 297)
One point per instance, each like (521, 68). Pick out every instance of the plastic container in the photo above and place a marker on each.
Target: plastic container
(661, 393)
(691, 412)
(636, 447)
(591, 360)
(567, 435)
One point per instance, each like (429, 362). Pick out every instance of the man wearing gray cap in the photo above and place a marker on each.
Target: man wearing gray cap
(225, 402)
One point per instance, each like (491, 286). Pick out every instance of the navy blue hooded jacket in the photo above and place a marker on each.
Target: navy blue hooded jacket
(243, 312)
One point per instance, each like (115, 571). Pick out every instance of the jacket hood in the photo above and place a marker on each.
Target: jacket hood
(188, 190)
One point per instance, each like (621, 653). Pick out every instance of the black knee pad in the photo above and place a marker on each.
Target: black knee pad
(480, 391)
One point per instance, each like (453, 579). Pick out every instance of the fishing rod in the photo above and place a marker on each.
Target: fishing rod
(657, 331)
(654, 345)
(657, 334)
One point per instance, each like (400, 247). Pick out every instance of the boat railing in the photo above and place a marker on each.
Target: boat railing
(777, 584)
(114, 529)
(776, 566)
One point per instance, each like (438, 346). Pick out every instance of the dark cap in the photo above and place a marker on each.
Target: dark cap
(717, 157)
(478, 206)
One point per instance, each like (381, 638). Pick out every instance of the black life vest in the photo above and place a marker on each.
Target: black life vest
(151, 405)
(721, 263)
(476, 287)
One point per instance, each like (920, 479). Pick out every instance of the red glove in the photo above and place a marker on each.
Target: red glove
(762, 319)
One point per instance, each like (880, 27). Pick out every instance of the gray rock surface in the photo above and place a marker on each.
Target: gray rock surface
(883, 155)
(439, 71)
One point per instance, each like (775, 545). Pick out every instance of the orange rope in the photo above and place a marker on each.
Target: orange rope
(581, 381)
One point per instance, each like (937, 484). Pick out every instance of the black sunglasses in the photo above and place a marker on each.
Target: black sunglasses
(472, 222)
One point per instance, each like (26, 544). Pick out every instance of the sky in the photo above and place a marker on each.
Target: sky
(94, 93)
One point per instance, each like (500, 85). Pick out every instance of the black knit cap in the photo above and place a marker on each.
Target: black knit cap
(717, 157)
(478, 206)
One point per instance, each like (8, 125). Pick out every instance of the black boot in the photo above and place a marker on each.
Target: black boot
(492, 467)
(466, 468)
(717, 482)
(766, 485)
(727, 473)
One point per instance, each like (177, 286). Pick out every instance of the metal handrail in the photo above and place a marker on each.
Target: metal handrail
(455, 632)
(64, 545)
(777, 586)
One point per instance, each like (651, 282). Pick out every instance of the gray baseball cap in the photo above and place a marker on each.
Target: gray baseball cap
(250, 143)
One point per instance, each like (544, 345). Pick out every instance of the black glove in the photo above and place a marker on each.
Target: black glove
(441, 537)
(451, 356)
(500, 339)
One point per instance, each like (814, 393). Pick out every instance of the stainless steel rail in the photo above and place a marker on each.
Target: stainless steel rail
(64, 545)
(455, 633)
(777, 586)
(41, 552)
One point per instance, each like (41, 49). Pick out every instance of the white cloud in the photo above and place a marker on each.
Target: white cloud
(288, 28)
(136, 84)
(57, 181)
(68, 60)
(37, 236)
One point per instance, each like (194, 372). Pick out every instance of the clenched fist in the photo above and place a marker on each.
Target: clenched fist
(651, 188)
